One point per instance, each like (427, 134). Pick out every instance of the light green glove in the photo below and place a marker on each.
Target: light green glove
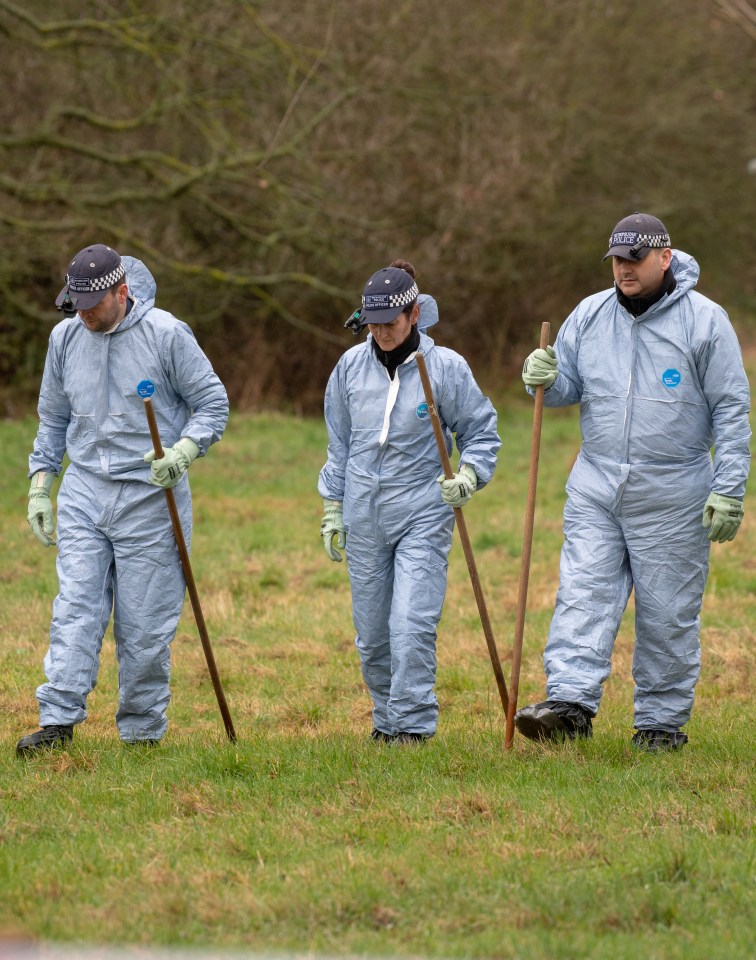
(722, 516)
(40, 512)
(540, 368)
(171, 467)
(332, 525)
(459, 490)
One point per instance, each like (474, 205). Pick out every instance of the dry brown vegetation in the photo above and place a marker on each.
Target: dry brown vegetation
(264, 158)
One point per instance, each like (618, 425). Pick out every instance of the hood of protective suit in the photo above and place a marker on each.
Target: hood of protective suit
(686, 271)
(141, 283)
(142, 290)
(428, 315)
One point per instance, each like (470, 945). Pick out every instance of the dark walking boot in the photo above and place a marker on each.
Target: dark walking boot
(653, 741)
(380, 737)
(44, 739)
(554, 720)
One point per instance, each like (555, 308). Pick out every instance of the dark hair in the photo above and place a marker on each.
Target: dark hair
(408, 268)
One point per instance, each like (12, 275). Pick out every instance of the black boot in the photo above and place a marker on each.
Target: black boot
(554, 720)
(652, 741)
(44, 739)
(380, 737)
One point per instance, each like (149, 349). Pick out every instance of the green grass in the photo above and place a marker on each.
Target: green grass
(304, 836)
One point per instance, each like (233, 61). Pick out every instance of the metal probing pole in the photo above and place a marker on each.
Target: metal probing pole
(189, 577)
(527, 543)
(463, 535)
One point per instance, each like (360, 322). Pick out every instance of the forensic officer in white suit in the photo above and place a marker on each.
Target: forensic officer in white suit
(116, 550)
(384, 499)
(658, 373)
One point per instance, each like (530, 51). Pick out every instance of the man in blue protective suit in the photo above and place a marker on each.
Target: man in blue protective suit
(383, 497)
(657, 371)
(116, 550)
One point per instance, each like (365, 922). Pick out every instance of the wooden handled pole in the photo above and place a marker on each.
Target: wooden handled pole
(527, 543)
(189, 577)
(463, 535)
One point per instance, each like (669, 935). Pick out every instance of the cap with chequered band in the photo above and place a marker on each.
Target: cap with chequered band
(387, 293)
(379, 301)
(89, 285)
(92, 272)
(636, 236)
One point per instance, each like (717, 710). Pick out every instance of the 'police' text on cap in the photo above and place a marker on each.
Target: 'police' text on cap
(636, 236)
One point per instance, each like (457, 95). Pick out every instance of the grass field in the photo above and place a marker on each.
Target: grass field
(306, 837)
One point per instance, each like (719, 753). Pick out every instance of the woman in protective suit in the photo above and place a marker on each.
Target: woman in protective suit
(384, 501)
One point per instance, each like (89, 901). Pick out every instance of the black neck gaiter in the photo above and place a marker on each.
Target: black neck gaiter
(393, 358)
(638, 305)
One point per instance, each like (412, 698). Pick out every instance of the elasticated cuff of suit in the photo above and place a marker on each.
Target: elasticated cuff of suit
(42, 481)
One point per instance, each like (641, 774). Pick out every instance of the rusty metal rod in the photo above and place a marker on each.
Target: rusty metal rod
(463, 535)
(189, 577)
(527, 543)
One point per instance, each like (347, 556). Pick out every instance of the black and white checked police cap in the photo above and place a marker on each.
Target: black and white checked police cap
(386, 294)
(90, 274)
(636, 236)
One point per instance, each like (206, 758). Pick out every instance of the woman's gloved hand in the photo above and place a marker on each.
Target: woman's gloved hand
(171, 467)
(540, 368)
(40, 512)
(459, 489)
(722, 516)
(332, 525)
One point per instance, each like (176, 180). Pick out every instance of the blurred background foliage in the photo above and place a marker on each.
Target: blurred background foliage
(264, 158)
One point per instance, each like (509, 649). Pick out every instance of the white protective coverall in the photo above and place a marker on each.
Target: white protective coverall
(383, 463)
(655, 393)
(116, 549)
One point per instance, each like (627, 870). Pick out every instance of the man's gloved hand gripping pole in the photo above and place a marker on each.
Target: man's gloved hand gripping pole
(455, 483)
(175, 464)
(540, 367)
(170, 465)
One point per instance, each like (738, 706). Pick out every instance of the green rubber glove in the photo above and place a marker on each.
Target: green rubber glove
(332, 525)
(40, 512)
(540, 368)
(722, 516)
(171, 467)
(459, 489)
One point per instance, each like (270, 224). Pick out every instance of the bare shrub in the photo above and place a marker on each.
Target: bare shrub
(263, 159)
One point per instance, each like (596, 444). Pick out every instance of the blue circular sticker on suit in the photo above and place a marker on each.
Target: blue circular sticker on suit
(671, 377)
(422, 411)
(145, 388)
